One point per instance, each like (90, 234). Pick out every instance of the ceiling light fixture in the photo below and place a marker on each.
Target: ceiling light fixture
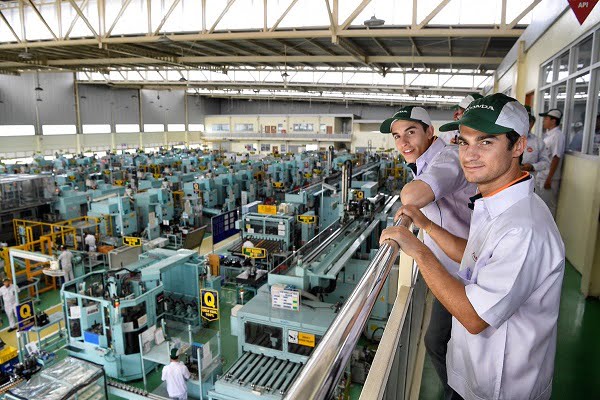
(373, 21)
(164, 39)
(182, 79)
(25, 55)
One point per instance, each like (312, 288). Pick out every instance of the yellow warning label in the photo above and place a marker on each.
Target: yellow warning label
(278, 185)
(254, 252)
(307, 219)
(71, 178)
(132, 241)
(209, 304)
(360, 194)
(264, 209)
(306, 339)
(118, 182)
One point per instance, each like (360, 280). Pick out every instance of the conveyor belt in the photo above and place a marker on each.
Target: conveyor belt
(260, 375)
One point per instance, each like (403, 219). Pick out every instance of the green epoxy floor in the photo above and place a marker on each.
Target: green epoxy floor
(576, 371)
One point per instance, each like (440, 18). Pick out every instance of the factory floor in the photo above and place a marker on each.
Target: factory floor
(576, 373)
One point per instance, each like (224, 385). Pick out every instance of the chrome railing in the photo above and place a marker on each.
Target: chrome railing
(320, 375)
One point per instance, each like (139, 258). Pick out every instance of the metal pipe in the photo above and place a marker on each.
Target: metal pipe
(319, 377)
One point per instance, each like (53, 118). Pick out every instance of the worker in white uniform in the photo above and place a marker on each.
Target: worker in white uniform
(442, 193)
(450, 137)
(9, 298)
(175, 375)
(548, 180)
(505, 304)
(90, 242)
(535, 157)
(66, 263)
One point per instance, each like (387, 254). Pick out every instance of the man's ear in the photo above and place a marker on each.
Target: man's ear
(519, 147)
(429, 132)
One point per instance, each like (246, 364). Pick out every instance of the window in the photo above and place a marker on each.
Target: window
(125, 128)
(267, 336)
(312, 147)
(244, 127)
(570, 81)
(303, 127)
(265, 147)
(323, 128)
(154, 128)
(17, 130)
(176, 127)
(96, 128)
(219, 128)
(196, 127)
(59, 129)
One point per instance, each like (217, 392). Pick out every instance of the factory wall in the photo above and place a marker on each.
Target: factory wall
(579, 199)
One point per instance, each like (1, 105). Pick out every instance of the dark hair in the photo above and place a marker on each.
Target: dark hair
(513, 137)
(555, 119)
(424, 125)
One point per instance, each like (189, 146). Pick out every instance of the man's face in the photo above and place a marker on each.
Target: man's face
(458, 113)
(410, 139)
(548, 123)
(484, 158)
(6, 283)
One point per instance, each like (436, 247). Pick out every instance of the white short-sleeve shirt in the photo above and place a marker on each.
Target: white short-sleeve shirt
(512, 269)
(176, 374)
(555, 146)
(439, 167)
(536, 154)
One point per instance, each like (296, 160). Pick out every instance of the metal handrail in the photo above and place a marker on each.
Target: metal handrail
(320, 375)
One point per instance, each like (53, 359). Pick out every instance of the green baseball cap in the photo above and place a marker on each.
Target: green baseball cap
(468, 99)
(494, 114)
(408, 113)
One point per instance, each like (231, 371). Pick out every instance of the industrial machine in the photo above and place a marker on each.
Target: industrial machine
(279, 327)
(107, 310)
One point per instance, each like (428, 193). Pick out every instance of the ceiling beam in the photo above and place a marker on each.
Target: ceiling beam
(282, 16)
(10, 28)
(354, 14)
(523, 13)
(83, 17)
(166, 17)
(39, 15)
(283, 34)
(74, 21)
(118, 17)
(433, 13)
(260, 59)
(227, 7)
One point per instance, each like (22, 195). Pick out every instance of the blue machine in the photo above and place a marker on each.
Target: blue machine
(118, 218)
(107, 311)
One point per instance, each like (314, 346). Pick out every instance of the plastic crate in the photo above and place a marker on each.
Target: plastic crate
(7, 354)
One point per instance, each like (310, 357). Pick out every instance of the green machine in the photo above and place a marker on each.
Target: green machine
(107, 311)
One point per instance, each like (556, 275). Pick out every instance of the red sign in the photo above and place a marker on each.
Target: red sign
(582, 8)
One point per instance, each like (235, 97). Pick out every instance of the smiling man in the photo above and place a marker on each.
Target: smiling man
(505, 303)
(441, 191)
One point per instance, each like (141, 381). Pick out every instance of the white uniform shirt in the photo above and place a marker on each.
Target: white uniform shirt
(9, 296)
(536, 154)
(447, 137)
(175, 374)
(65, 259)
(440, 168)
(90, 240)
(512, 269)
(555, 146)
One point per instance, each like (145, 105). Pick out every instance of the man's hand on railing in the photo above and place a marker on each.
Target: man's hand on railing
(405, 239)
(414, 213)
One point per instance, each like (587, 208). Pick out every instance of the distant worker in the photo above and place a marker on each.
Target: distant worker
(9, 298)
(175, 375)
(166, 184)
(450, 137)
(90, 242)
(535, 158)
(66, 263)
(548, 180)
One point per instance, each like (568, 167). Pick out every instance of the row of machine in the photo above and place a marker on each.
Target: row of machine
(297, 233)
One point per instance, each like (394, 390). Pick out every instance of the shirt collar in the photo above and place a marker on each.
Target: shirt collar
(426, 157)
(505, 197)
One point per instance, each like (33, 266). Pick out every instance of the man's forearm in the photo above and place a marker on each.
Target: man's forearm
(417, 193)
(452, 245)
(450, 292)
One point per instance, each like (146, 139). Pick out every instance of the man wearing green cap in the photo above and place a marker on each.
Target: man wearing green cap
(505, 303)
(459, 109)
(175, 375)
(441, 191)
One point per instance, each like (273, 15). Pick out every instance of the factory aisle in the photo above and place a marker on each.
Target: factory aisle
(576, 371)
